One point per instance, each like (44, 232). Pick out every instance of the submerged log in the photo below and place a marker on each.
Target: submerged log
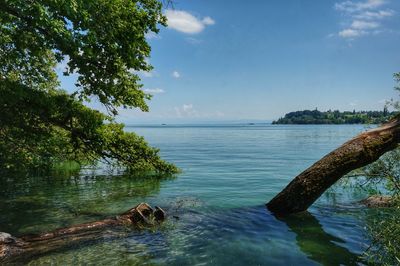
(31, 245)
(308, 186)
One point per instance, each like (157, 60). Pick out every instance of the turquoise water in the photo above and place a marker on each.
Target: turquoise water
(216, 206)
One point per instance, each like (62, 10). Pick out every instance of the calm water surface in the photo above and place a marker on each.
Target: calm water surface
(229, 173)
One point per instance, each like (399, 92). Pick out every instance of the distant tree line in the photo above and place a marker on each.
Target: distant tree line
(335, 117)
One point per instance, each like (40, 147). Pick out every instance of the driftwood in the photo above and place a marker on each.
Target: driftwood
(376, 201)
(12, 248)
(364, 149)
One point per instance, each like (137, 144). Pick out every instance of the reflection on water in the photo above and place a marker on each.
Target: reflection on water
(40, 203)
(253, 236)
(319, 246)
(216, 216)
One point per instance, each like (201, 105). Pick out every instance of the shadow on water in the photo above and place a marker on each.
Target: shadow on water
(317, 244)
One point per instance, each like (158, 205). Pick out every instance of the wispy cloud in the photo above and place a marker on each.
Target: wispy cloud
(373, 15)
(186, 110)
(362, 17)
(364, 25)
(185, 22)
(189, 111)
(176, 74)
(193, 41)
(154, 91)
(351, 6)
(351, 33)
(208, 21)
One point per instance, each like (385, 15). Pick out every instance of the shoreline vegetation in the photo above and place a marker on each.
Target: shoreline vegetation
(316, 117)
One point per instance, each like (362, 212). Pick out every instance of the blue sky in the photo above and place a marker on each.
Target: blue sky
(244, 60)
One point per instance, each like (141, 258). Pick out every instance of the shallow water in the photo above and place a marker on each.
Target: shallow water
(229, 173)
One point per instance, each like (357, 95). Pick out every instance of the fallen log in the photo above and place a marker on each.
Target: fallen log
(308, 186)
(12, 248)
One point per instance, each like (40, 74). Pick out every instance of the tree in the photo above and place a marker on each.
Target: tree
(360, 151)
(104, 44)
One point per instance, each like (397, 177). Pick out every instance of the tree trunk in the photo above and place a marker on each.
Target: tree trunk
(13, 248)
(364, 149)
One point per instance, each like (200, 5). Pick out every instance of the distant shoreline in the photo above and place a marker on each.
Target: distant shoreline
(315, 117)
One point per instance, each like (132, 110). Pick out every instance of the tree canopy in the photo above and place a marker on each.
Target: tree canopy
(104, 45)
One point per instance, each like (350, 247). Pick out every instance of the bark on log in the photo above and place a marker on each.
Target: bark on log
(13, 248)
(307, 187)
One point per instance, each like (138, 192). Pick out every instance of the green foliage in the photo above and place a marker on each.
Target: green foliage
(385, 171)
(104, 42)
(383, 177)
(396, 104)
(385, 232)
(335, 117)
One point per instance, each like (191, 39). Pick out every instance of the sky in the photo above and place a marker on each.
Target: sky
(257, 60)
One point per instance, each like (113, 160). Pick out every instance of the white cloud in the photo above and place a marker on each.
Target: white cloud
(350, 33)
(186, 110)
(351, 6)
(208, 21)
(185, 22)
(154, 91)
(371, 15)
(187, 107)
(176, 74)
(362, 17)
(364, 25)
